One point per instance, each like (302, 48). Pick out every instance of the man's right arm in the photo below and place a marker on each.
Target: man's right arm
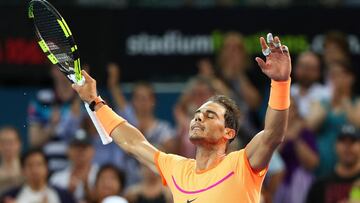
(129, 138)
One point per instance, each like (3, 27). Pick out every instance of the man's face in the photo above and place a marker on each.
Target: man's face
(81, 154)
(307, 69)
(108, 184)
(340, 79)
(35, 169)
(333, 52)
(143, 99)
(9, 144)
(348, 151)
(208, 124)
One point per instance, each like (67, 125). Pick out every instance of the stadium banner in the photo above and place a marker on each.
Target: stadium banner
(164, 44)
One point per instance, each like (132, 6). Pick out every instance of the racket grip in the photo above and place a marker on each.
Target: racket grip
(72, 78)
(105, 138)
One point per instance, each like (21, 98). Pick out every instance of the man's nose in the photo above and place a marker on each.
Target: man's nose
(198, 117)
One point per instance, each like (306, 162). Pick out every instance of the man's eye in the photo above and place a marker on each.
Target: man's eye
(210, 116)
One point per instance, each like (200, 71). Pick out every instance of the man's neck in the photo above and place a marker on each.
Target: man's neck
(81, 167)
(38, 187)
(10, 163)
(347, 171)
(209, 157)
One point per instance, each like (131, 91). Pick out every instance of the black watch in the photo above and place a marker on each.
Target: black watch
(96, 101)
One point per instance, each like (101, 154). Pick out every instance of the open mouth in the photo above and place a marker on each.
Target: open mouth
(197, 127)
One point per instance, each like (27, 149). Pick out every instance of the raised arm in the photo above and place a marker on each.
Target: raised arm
(113, 86)
(278, 68)
(124, 134)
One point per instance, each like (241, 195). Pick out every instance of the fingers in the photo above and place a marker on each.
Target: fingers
(261, 63)
(86, 76)
(272, 44)
(270, 41)
(285, 50)
(264, 47)
(277, 42)
(75, 87)
(263, 43)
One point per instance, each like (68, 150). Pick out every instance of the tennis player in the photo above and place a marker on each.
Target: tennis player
(213, 176)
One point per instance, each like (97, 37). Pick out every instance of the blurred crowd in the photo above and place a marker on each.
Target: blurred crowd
(319, 160)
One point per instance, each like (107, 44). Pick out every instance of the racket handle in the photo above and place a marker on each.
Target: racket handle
(105, 138)
(72, 78)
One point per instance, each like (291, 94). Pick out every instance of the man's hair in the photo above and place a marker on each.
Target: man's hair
(232, 113)
(338, 38)
(145, 84)
(121, 177)
(11, 128)
(31, 152)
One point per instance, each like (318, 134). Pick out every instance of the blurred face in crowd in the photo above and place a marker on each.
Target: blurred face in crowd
(340, 78)
(348, 151)
(35, 170)
(233, 56)
(200, 92)
(62, 87)
(208, 124)
(108, 184)
(333, 52)
(81, 155)
(10, 145)
(143, 99)
(307, 70)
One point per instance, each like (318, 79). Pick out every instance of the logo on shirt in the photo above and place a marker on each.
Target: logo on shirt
(189, 201)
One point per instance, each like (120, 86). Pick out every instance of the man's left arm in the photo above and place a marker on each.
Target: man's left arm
(278, 68)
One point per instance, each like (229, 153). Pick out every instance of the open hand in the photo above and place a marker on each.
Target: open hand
(278, 62)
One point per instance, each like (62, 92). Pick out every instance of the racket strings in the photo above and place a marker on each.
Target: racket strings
(53, 35)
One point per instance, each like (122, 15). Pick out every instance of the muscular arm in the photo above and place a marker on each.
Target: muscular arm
(131, 140)
(124, 134)
(261, 147)
(278, 68)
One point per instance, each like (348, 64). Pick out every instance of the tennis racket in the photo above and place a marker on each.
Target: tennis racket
(57, 42)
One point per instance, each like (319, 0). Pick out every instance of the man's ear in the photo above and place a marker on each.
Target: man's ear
(229, 133)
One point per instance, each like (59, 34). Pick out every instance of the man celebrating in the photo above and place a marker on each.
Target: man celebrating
(213, 176)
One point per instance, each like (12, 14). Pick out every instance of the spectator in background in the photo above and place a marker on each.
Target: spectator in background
(36, 188)
(79, 177)
(149, 190)
(10, 149)
(245, 81)
(140, 113)
(110, 182)
(234, 68)
(337, 186)
(336, 50)
(307, 88)
(299, 153)
(206, 70)
(327, 117)
(104, 154)
(198, 90)
(53, 117)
